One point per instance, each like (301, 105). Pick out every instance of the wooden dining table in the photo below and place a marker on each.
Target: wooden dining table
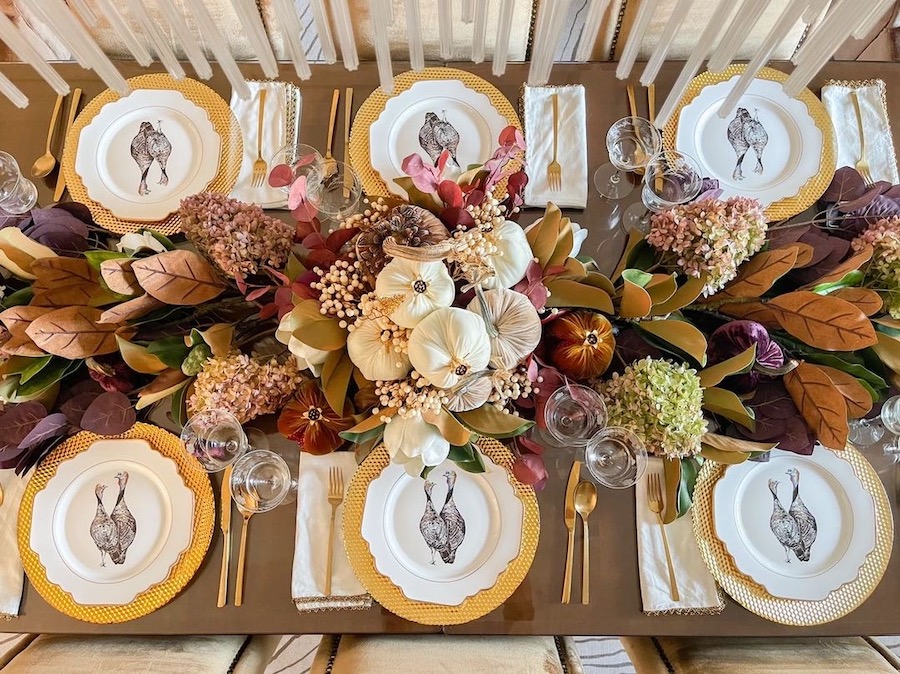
(535, 607)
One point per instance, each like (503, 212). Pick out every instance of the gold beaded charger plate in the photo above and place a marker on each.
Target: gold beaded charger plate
(774, 148)
(483, 540)
(112, 528)
(424, 111)
(709, 519)
(199, 142)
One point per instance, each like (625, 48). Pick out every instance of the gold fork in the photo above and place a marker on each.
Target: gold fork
(655, 500)
(862, 166)
(554, 170)
(335, 496)
(330, 163)
(260, 168)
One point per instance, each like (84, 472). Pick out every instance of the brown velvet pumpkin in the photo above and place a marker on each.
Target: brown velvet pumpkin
(581, 344)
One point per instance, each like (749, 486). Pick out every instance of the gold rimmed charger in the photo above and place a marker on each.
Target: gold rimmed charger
(815, 187)
(373, 106)
(147, 601)
(752, 595)
(389, 595)
(231, 148)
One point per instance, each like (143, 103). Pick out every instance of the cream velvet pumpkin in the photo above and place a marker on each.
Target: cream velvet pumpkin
(515, 321)
(420, 287)
(448, 345)
(512, 258)
(375, 358)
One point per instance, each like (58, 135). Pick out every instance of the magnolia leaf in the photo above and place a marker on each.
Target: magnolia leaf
(888, 350)
(636, 302)
(179, 277)
(21, 251)
(717, 455)
(635, 239)
(489, 421)
(820, 403)
(370, 427)
(852, 263)
(727, 444)
(462, 452)
(825, 322)
(170, 350)
(453, 431)
(111, 413)
(218, 338)
(130, 310)
(51, 426)
(738, 364)
(866, 300)
(892, 323)
(12, 267)
(682, 335)
(63, 281)
(139, 358)
(542, 237)
(598, 280)
(34, 367)
(17, 298)
(859, 401)
(848, 280)
(575, 268)
(96, 257)
(119, 276)
(565, 242)
(178, 407)
(165, 384)
(17, 319)
(476, 465)
(325, 334)
(752, 311)
(672, 476)
(726, 404)
(805, 253)
(336, 373)
(22, 345)
(73, 332)
(568, 293)
(759, 274)
(683, 296)
(637, 277)
(690, 469)
(50, 375)
(661, 288)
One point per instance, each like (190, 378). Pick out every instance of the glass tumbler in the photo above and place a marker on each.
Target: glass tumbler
(261, 480)
(335, 190)
(303, 160)
(630, 142)
(573, 414)
(17, 193)
(616, 457)
(215, 438)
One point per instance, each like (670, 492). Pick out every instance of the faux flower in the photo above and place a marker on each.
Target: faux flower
(710, 236)
(449, 345)
(135, 242)
(883, 273)
(307, 357)
(309, 420)
(417, 288)
(660, 402)
(734, 338)
(510, 257)
(373, 351)
(411, 437)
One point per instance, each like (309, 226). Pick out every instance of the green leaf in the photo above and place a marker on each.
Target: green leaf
(170, 350)
(325, 334)
(690, 469)
(462, 454)
(33, 368)
(488, 420)
(162, 238)
(95, 257)
(679, 337)
(294, 268)
(476, 465)
(50, 374)
(18, 298)
(848, 280)
(738, 364)
(367, 429)
(179, 406)
(851, 363)
(336, 373)
(638, 277)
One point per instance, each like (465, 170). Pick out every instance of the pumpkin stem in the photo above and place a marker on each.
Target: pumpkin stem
(482, 303)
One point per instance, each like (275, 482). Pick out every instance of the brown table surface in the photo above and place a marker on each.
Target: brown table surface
(534, 608)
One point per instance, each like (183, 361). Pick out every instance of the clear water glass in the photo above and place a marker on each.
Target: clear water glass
(303, 160)
(865, 432)
(329, 194)
(215, 438)
(616, 457)
(630, 142)
(261, 480)
(884, 457)
(17, 193)
(573, 414)
(670, 178)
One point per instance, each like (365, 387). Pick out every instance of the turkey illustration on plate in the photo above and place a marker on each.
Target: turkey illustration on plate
(149, 145)
(113, 533)
(795, 528)
(443, 531)
(437, 135)
(746, 131)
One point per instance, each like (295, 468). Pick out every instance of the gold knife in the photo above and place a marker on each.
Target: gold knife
(225, 523)
(574, 476)
(61, 178)
(348, 116)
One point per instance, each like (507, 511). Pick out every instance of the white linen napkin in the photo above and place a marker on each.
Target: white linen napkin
(571, 151)
(696, 586)
(311, 543)
(281, 118)
(838, 99)
(12, 575)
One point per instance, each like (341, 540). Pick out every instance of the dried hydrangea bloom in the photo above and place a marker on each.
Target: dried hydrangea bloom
(883, 272)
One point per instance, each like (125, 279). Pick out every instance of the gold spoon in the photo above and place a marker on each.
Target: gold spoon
(585, 501)
(45, 163)
(251, 501)
(1, 495)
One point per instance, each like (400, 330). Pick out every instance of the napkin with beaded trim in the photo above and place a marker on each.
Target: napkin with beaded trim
(696, 586)
(838, 99)
(12, 575)
(311, 543)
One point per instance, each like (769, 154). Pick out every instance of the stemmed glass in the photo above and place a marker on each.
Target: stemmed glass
(616, 457)
(882, 458)
(573, 414)
(262, 480)
(301, 159)
(670, 178)
(330, 194)
(17, 193)
(215, 438)
(630, 142)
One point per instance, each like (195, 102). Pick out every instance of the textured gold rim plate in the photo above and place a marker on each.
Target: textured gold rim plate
(182, 571)
(753, 596)
(231, 150)
(815, 187)
(373, 106)
(389, 595)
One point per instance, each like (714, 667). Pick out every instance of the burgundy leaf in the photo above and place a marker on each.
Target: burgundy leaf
(110, 414)
(782, 236)
(281, 175)
(529, 469)
(339, 237)
(319, 258)
(49, 427)
(453, 217)
(450, 193)
(18, 421)
(314, 241)
(839, 249)
(847, 184)
(9, 458)
(74, 408)
(254, 295)
(860, 202)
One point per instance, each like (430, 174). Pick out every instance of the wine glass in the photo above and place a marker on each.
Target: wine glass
(630, 142)
(573, 414)
(17, 193)
(670, 178)
(302, 159)
(883, 458)
(330, 194)
(215, 438)
(261, 480)
(616, 457)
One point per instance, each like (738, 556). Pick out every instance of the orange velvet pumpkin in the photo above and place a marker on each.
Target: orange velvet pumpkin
(581, 344)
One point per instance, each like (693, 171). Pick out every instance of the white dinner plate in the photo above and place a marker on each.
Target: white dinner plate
(152, 130)
(437, 569)
(747, 515)
(778, 140)
(431, 116)
(72, 534)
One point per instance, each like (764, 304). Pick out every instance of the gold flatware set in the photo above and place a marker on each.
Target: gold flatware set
(862, 166)
(655, 501)
(44, 165)
(335, 497)
(260, 167)
(225, 524)
(554, 170)
(581, 498)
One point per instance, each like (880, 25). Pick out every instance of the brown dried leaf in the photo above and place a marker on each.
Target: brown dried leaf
(858, 399)
(636, 302)
(165, 384)
(119, 277)
(685, 295)
(16, 319)
(543, 236)
(22, 345)
(568, 293)
(822, 321)
(805, 253)
(179, 277)
(868, 301)
(73, 332)
(661, 288)
(126, 311)
(852, 263)
(63, 282)
(759, 274)
(821, 404)
(752, 311)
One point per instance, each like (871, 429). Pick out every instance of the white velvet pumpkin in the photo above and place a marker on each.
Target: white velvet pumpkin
(374, 358)
(423, 287)
(515, 321)
(512, 258)
(448, 345)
